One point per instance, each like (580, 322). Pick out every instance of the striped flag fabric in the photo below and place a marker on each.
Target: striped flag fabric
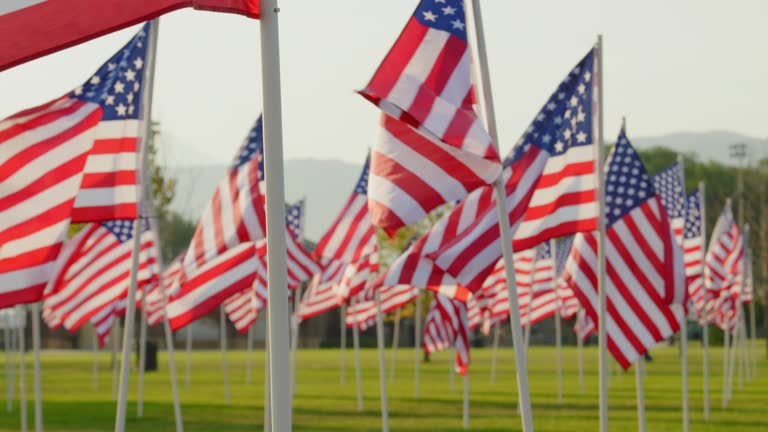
(352, 234)
(34, 28)
(243, 309)
(645, 287)
(723, 258)
(670, 186)
(94, 272)
(569, 304)
(155, 305)
(363, 309)
(446, 325)
(536, 296)
(320, 295)
(71, 159)
(693, 254)
(235, 213)
(550, 181)
(426, 80)
(584, 327)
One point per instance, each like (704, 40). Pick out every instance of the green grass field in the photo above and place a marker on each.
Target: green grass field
(323, 404)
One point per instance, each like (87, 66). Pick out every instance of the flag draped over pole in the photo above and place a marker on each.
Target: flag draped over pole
(72, 159)
(34, 28)
(644, 285)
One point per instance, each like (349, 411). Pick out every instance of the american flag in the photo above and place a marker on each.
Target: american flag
(550, 181)
(723, 259)
(235, 213)
(645, 288)
(363, 309)
(569, 304)
(352, 234)
(425, 79)
(671, 189)
(693, 250)
(94, 271)
(447, 324)
(155, 304)
(74, 158)
(584, 327)
(321, 296)
(243, 309)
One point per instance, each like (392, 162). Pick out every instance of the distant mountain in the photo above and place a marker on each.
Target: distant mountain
(327, 183)
(707, 146)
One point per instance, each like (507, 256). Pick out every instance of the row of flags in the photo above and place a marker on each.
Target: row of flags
(76, 160)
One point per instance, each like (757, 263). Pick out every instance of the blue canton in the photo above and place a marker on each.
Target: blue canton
(669, 186)
(116, 86)
(566, 119)
(293, 217)
(362, 183)
(543, 251)
(123, 228)
(693, 216)
(445, 15)
(253, 147)
(562, 250)
(627, 184)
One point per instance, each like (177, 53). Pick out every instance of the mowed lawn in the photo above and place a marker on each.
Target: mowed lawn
(324, 404)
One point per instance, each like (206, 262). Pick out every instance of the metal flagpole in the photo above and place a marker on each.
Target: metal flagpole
(640, 395)
(395, 343)
(358, 379)
(382, 364)
(35, 318)
(130, 312)
(752, 325)
(684, 333)
(95, 349)
(559, 347)
(223, 346)
(295, 323)
(417, 345)
(22, 310)
(528, 311)
(521, 367)
(494, 352)
(343, 337)
(726, 353)
(580, 355)
(248, 354)
(743, 364)
(465, 405)
(188, 375)
(267, 383)
(115, 365)
(9, 380)
(142, 355)
(705, 318)
(601, 286)
(277, 273)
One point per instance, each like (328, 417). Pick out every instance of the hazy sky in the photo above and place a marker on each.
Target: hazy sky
(692, 65)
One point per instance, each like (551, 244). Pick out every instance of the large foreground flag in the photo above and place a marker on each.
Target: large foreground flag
(645, 284)
(94, 273)
(549, 179)
(72, 159)
(33, 28)
(426, 80)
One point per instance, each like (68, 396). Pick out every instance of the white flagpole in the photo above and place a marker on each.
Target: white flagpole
(171, 359)
(277, 273)
(22, 310)
(343, 337)
(752, 328)
(130, 311)
(559, 348)
(223, 346)
(35, 318)
(395, 343)
(9, 379)
(601, 285)
(465, 405)
(295, 323)
(382, 364)
(580, 356)
(142, 355)
(115, 365)
(521, 367)
(358, 379)
(640, 395)
(528, 311)
(267, 381)
(684, 334)
(188, 375)
(743, 364)
(494, 352)
(248, 354)
(705, 318)
(417, 345)
(726, 354)
(95, 349)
